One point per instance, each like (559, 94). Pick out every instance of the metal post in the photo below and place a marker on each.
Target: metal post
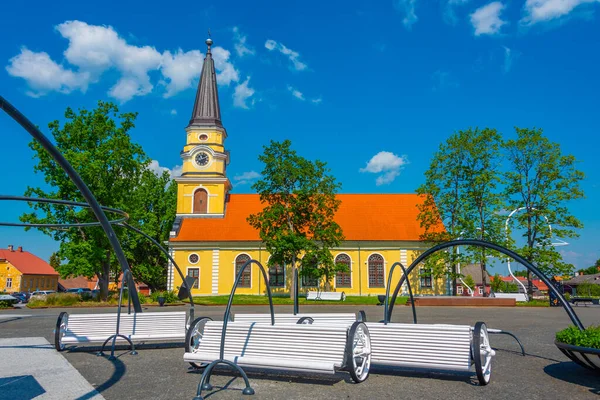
(85, 191)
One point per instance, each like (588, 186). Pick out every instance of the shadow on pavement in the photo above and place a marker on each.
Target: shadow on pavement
(118, 373)
(442, 375)
(570, 372)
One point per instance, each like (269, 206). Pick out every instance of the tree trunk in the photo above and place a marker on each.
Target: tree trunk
(529, 285)
(483, 278)
(104, 278)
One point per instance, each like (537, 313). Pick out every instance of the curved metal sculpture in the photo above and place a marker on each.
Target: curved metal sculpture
(85, 192)
(205, 379)
(473, 242)
(387, 293)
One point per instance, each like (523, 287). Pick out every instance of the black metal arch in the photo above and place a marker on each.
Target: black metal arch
(204, 383)
(387, 293)
(123, 214)
(481, 243)
(85, 192)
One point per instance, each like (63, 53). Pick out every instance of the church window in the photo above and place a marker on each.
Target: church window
(309, 276)
(193, 258)
(276, 276)
(240, 260)
(194, 273)
(203, 137)
(8, 283)
(376, 271)
(343, 279)
(425, 274)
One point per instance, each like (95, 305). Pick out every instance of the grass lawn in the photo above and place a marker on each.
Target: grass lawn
(534, 303)
(243, 299)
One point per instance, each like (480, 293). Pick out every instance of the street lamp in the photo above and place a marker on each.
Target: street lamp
(555, 244)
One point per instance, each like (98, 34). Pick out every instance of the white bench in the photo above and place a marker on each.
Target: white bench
(433, 346)
(516, 296)
(322, 348)
(89, 328)
(332, 318)
(315, 295)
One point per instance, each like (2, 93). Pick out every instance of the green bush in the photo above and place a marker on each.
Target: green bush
(586, 338)
(587, 289)
(62, 299)
(567, 296)
(5, 304)
(143, 298)
(170, 296)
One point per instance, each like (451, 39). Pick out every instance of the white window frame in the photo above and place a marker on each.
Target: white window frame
(234, 272)
(350, 271)
(384, 271)
(269, 276)
(480, 288)
(187, 273)
(459, 289)
(9, 283)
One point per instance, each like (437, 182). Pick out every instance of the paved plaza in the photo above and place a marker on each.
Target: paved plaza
(160, 373)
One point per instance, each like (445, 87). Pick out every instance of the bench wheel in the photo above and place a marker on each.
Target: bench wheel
(60, 330)
(358, 352)
(305, 321)
(482, 353)
(194, 336)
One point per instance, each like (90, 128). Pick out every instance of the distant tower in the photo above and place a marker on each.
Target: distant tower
(203, 185)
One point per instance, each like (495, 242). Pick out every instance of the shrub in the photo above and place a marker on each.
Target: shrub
(170, 296)
(5, 304)
(589, 337)
(62, 299)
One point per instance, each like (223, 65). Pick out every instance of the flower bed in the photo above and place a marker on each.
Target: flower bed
(582, 347)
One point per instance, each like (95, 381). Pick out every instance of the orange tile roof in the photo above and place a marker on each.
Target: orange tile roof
(27, 263)
(363, 217)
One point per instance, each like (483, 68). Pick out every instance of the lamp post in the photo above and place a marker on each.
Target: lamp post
(555, 244)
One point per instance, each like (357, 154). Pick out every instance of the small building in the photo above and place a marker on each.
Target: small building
(21, 271)
(572, 284)
(539, 287)
(474, 270)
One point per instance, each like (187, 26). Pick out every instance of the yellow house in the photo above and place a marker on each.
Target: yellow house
(21, 271)
(211, 238)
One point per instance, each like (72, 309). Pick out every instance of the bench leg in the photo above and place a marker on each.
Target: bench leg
(114, 341)
(205, 379)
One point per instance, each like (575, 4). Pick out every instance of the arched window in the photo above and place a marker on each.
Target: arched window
(343, 279)
(276, 276)
(376, 271)
(200, 202)
(239, 263)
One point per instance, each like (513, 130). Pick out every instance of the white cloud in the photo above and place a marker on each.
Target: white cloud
(173, 112)
(387, 164)
(509, 58)
(407, 8)
(450, 16)
(181, 69)
(246, 177)
(44, 75)
(292, 55)
(242, 93)
(486, 20)
(546, 10)
(317, 100)
(240, 43)
(95, 49)
(296, 93)
(155, 167)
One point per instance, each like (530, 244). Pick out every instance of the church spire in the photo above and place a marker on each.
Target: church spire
(206, 108)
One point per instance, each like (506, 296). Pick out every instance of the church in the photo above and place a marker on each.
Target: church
(211, 238)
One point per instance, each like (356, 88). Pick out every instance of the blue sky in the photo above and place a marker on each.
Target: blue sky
(372, 89)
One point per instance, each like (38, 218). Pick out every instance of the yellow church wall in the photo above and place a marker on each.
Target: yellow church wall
(359, 272)
(185, 197)
(7, 270)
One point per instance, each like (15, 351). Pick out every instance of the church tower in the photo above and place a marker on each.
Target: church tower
(203, 187)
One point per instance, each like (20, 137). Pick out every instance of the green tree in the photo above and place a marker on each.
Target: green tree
(299, 206)
(54, 261)
(460, 193)
(153, 207)
(98, 146)
(470, 282)
(542, 181)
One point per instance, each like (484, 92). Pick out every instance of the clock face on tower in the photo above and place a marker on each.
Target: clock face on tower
(202, 159)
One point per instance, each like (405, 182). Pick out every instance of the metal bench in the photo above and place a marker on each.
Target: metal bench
(323, 348)
(333, 318)
(90, 328)
(315, 295)
(433, 346)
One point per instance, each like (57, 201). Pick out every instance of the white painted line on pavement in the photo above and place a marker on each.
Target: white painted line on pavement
(48, 375)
